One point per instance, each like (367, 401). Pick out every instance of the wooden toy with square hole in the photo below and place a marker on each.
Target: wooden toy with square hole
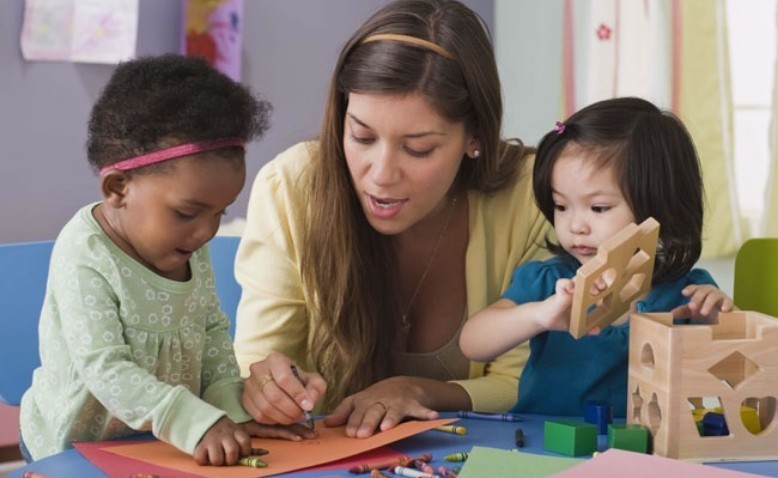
(733, 363)
(626, 263)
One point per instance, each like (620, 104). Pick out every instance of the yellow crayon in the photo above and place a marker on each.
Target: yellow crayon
(252, 462)
(456, 429)
(461, 456)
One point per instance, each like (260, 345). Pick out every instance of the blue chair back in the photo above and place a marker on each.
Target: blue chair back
(223, 249)
(24, 268)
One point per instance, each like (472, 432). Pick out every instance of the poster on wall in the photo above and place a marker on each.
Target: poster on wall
(213, 30)
(86, 31)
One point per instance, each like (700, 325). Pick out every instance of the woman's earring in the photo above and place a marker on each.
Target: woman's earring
(476, 153)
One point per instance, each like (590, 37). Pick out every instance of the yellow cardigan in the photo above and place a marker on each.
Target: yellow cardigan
(506, 229)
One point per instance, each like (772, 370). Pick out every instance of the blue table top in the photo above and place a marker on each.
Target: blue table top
(494, 434)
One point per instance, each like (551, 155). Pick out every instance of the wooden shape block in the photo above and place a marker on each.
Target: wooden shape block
(628, 437)
(714, 425)
(750, 419)
(570, 437)
(626, 263)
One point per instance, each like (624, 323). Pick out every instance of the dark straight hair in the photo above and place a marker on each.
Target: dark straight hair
(657, 167)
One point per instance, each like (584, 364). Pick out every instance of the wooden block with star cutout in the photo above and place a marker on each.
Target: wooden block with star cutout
(626, 263)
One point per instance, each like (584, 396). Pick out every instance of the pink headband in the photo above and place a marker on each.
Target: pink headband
(172, 153)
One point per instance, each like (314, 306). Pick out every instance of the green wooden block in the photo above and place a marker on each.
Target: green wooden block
(628, 437)
(570, 437)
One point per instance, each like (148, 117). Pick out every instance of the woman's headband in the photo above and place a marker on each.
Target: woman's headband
(172, 153)
(412, 40)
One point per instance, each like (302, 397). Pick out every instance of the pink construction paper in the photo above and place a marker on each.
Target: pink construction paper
(620, 463)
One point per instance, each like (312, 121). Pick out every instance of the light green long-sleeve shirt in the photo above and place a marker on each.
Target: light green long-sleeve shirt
(125, 350)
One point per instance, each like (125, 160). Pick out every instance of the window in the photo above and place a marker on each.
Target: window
(752, 51)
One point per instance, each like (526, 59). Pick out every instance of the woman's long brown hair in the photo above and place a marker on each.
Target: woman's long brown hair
(348, 269)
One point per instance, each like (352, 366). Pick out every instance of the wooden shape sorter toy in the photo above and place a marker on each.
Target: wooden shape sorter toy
(626, 263)
(676, 370)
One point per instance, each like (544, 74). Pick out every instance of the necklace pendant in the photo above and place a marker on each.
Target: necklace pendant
(405, 325)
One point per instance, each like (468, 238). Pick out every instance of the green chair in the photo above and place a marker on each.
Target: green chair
(756, 276)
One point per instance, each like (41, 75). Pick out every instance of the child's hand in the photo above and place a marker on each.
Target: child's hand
(554, 313)
(704, 305)
(223, 444)
(294, 432)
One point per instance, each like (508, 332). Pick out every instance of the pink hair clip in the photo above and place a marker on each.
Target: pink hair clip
(559, 128)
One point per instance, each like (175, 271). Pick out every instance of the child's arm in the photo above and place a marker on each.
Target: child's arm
(504, 324)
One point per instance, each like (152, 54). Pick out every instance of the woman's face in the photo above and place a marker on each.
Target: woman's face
(403, 158)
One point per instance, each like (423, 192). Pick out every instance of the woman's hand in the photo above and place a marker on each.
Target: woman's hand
(705, 303)
(273, 395)
(386, 403)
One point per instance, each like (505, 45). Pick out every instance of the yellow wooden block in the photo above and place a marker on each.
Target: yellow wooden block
(750, 419)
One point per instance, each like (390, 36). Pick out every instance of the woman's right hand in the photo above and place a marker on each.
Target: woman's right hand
(273, 395)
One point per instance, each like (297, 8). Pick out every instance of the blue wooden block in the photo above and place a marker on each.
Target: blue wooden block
(714, 425)
(600, 413)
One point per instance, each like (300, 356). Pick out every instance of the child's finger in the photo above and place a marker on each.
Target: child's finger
(727, 305)
(681, 312)
(243, 441)
(215, 454)
(201, 454)
(233, 449)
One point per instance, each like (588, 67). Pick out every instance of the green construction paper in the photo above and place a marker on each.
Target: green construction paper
(497, 463)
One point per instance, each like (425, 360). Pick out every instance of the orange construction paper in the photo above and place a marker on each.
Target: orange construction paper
(285, 456)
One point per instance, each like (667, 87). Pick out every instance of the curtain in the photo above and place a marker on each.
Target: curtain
(770, 218)
(673, 53)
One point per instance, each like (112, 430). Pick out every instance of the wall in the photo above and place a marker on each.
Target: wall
(290, 48)
(528, 44)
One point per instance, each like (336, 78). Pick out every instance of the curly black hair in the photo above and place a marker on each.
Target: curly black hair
(156, 102)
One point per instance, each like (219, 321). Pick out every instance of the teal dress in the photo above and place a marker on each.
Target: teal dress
(563, 373)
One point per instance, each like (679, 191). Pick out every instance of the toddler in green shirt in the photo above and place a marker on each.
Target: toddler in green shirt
(132, 337)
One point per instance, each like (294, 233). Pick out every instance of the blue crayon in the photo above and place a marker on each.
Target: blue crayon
(500, 417)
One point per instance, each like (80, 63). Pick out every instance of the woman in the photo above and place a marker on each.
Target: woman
(366, 250)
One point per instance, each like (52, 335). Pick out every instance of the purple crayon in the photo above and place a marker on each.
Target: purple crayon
(500, 417)
(446, 473)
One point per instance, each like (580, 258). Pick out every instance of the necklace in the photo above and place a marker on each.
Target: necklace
(405, 326)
